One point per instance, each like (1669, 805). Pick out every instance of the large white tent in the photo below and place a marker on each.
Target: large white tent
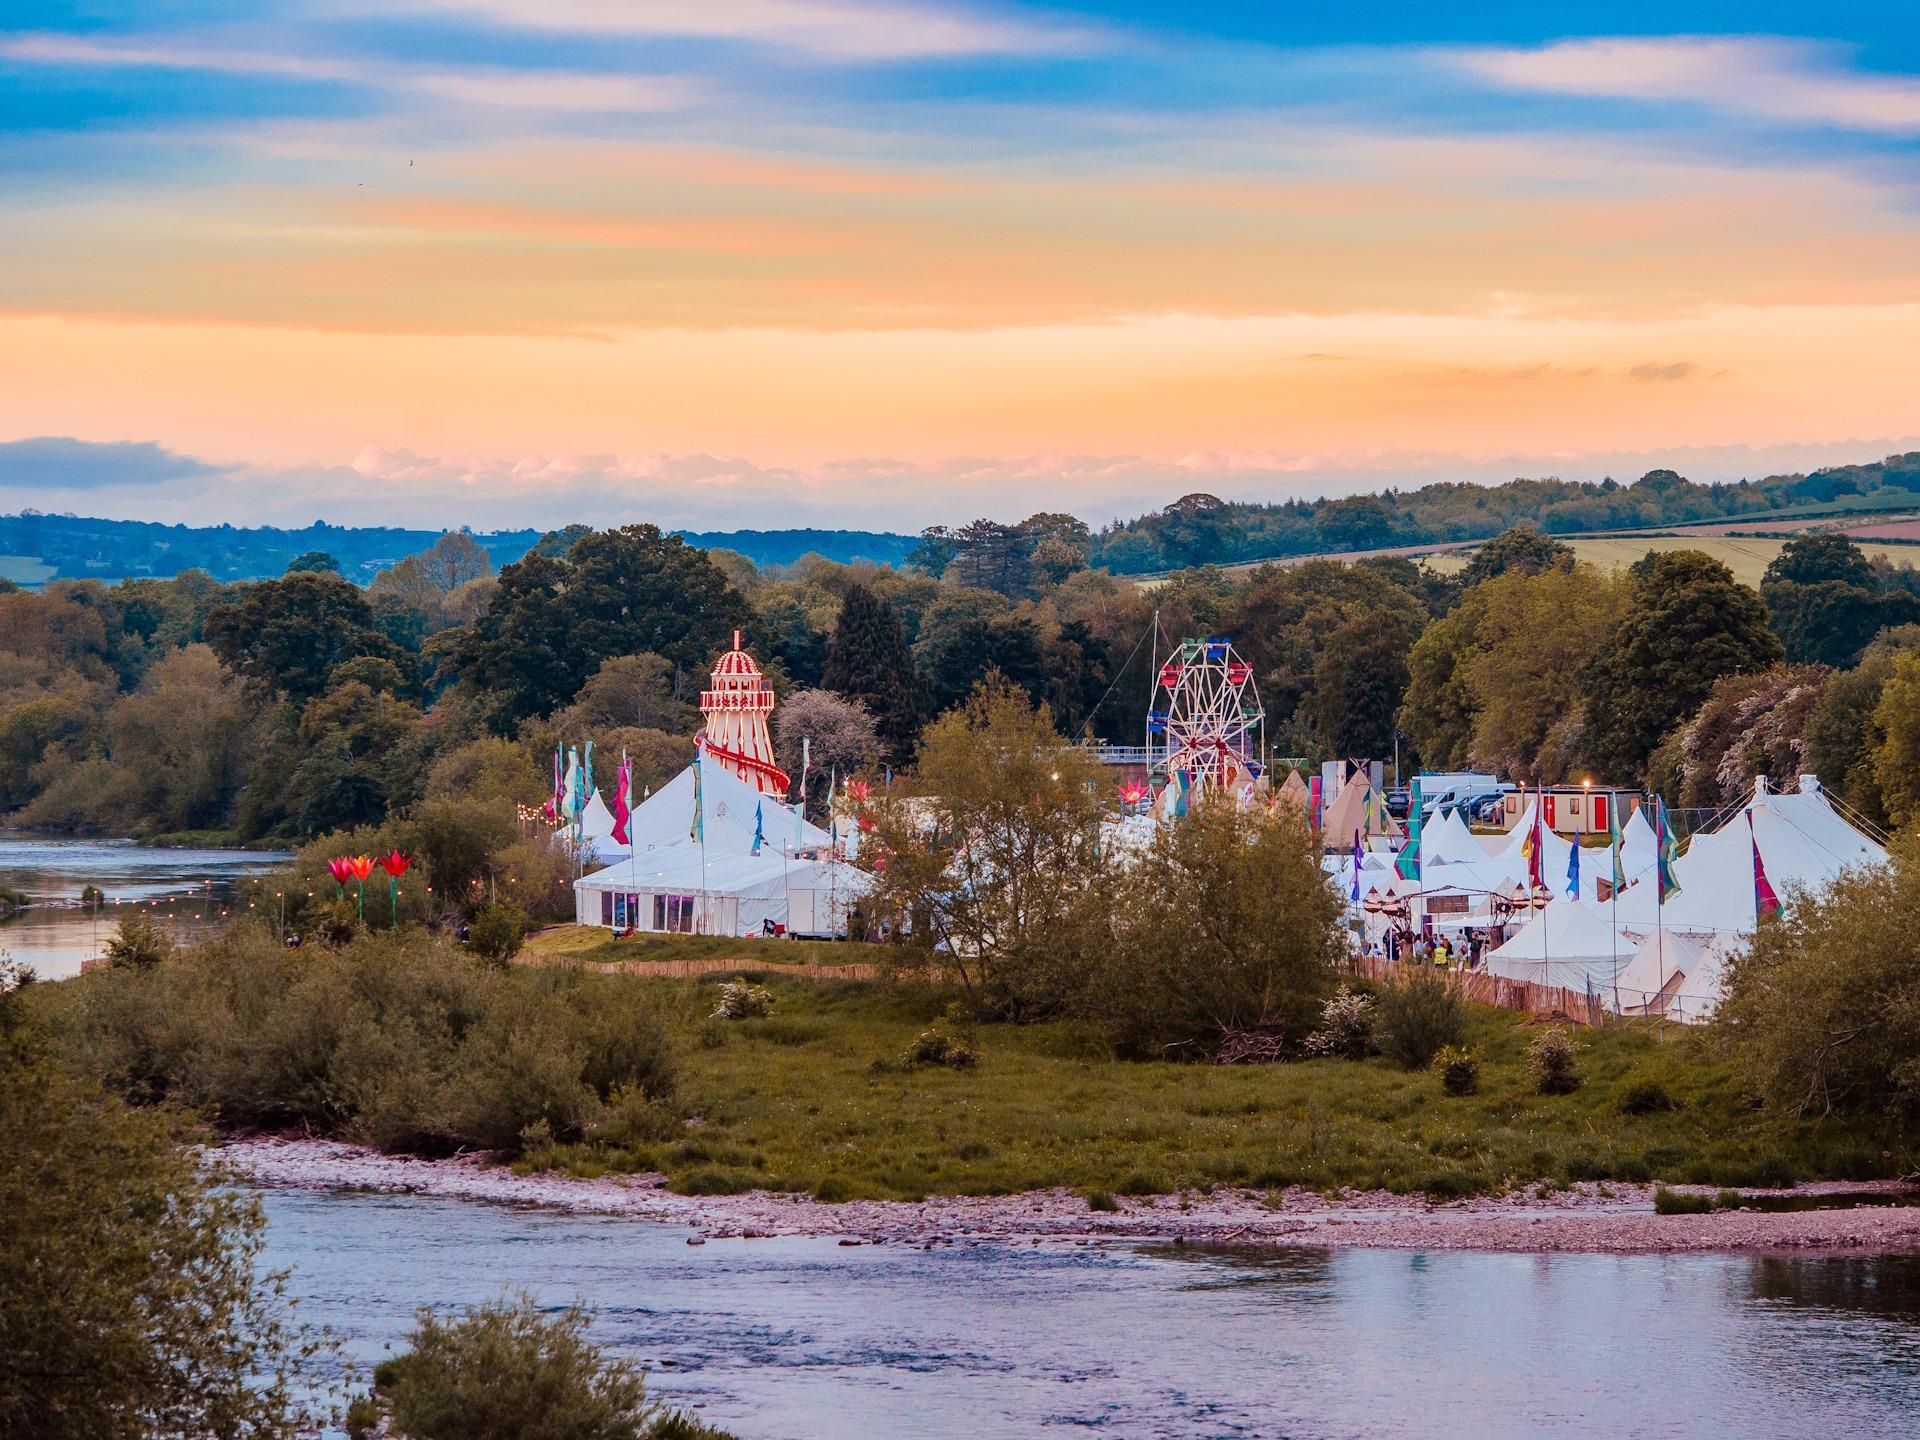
(665, 879)
(1568, 943)
(1675, 975)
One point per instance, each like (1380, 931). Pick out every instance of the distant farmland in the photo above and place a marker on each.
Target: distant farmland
(1747, 557)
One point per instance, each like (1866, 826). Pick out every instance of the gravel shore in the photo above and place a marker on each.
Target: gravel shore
(1614, 1218)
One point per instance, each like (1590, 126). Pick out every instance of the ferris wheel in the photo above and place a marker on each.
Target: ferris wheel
(1205, 717)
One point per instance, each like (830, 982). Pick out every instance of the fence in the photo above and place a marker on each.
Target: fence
(1478, 987)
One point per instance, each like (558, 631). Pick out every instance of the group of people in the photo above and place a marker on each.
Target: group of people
(1461, 952)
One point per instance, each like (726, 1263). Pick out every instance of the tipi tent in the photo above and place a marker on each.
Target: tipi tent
(1671, 974)
(1568, 943)
(1358, 807)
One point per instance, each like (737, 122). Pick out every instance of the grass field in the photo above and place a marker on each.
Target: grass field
(1748, 557)
(591, 945)
(814, 1098)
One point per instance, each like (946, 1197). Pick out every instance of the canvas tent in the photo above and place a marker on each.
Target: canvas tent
(1568, 943)
(670, 889)
(1358, 807)
(1672, 974)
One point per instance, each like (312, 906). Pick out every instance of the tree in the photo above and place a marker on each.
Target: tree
(1896, 759)
(955, 647)
(513, 1370)
(554, 621)
(1813, 559)
(1750, 725)
(935, 551)
(1822, 1010)
(629, 690)
(993, 854)
(991, 556)
(868, 662)
(1358, 681)
(1843, 735)
(1230, 927)
(284, 637)
(840, 737)
(1522, 549)
(130, 1305)
(317, 562)
(1689, 623)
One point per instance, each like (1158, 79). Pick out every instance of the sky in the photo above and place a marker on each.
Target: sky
(760, 263)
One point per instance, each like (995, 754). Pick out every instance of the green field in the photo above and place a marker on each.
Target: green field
(814, 1098)
(1748, 557)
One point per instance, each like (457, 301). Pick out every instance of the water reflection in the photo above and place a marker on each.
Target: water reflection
(188, 892)
(803, 1338)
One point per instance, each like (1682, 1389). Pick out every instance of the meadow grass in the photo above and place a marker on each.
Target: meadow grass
(816, 1098)
(591, 945)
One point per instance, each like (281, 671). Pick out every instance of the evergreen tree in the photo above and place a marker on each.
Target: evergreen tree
(868, 662)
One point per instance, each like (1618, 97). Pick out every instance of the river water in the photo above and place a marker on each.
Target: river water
(806, 1339)
(186, 891)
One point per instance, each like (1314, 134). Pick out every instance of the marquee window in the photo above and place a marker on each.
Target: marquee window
(673, 913)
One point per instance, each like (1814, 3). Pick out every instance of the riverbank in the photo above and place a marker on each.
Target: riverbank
(1613, 1219)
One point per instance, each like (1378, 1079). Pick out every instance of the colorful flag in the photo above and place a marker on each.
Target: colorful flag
(1356, 866)
(558, 800)
(570, 787)
(1666, 849)
(697, 832)
(1531, 849)
(622, 801)
(1573, 869)
(1313, 802)
(1765, 902)
(1408, 864)
(1619, 860)
(759, 828)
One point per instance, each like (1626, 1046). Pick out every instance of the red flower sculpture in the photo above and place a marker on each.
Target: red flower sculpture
(341, 870)
(859, 790)
(395, 863)
(362, 866)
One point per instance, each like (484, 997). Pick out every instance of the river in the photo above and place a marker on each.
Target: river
(807, 1339)
(187, 891)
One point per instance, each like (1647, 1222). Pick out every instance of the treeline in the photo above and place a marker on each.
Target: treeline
(1204, 530)
(80, 547)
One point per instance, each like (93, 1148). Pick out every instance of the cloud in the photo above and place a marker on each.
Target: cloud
(1782, 80)
(833, 29)
(1655, 370)
(59, 462)
(470, 85)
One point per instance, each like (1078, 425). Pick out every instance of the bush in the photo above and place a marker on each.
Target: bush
(510, 1371)
(1459, 1070)
(399, 1040)
(496, 932)
(138, 944)
(1822, 1010)
(1679, 1202)
(740, 1000)
(1645, 1095)
(1550, 1061)
(1101, 1200)
(1417, 1014)
(1346, 1026)
(939, 1046)
(1230, 933)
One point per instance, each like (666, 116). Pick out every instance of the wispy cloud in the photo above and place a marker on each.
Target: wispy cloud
(470, 85)
(836, 29)
(1782, 80)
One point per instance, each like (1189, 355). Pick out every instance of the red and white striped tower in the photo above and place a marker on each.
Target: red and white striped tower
(737, 708)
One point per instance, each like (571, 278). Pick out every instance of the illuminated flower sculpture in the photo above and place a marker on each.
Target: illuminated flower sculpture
(342, 871)
(395, 863)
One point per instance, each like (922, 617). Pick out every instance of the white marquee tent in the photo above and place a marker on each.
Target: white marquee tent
(1671, 974)
(1568, 943)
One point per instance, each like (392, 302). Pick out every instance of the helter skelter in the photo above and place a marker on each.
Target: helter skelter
(1205, 721)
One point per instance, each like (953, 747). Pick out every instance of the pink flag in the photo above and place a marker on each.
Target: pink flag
(1765, 902)
(622, 801)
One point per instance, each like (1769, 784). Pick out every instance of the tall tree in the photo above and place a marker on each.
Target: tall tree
(285, 636)
(553, 621)
(1521, 548)
(868, 662)
(1689, 623)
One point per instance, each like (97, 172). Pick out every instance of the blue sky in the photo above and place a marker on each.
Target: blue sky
(839, 258)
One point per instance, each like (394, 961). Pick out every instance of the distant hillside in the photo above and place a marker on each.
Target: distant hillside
(36, 547)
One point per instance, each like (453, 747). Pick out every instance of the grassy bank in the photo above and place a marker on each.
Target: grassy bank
(796, 1101)
(590, 945)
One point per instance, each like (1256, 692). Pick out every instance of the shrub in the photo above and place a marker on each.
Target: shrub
(1680, 1202)
(740, 1000)
(1417, 1013)
(510, 1371)
(138, 944)
(939, 1046)
(1101, 1200)
(1550, 1060)
(1346, 1026)
(1645, 1095)
(496, 932)
(1459, 1070)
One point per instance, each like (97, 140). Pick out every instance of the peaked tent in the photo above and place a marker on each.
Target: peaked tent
(1568, 943)
(1294, 792)
(1446, 840)
(670, 888)
(1671, 974)
(665, 818)
(1358, 806)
